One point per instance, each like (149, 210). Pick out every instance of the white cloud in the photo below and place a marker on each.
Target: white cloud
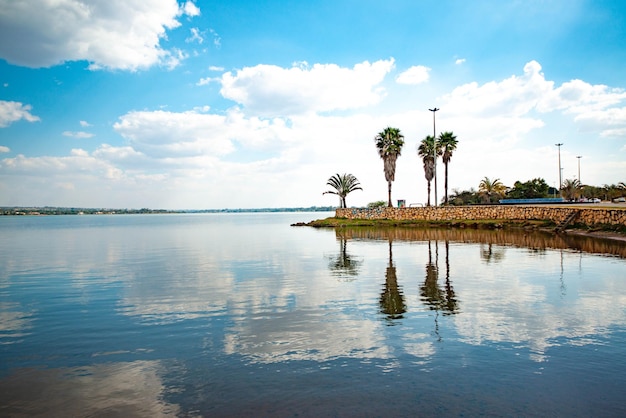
(217, 40)
(78, 134)
(514, 96)
(84, 124)
(610, 122)
(196, 36)
(414, 75)
(207, 80)
(460, 61)
(116, 34)
(518, 96)
(577, 96)
(190, 9)
(215, 68)
(14, 111)
(274, 91)
(205, 159)
(162, 134)
(4, 149)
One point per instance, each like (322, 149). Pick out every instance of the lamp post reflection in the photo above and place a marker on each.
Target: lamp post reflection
(392, 300)
(489, 254)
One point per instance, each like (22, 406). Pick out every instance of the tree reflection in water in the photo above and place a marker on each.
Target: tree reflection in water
(442, 298)
(434, 296)
(392, 300)
(344, 265)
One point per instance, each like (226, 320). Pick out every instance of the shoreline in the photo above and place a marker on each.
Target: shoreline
(544, 226)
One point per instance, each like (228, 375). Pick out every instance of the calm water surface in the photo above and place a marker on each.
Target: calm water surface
(244, 315)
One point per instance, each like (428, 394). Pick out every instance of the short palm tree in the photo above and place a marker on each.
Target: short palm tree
(425, 150)
(570, 189)
(389, 144)
(490, 188)
(343, 185)
(447, 143)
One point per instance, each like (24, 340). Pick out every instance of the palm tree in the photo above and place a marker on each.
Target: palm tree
(426, 150)
(389, 144)
(570, 189)
(447, 143)
(343, 184)
(491, 188)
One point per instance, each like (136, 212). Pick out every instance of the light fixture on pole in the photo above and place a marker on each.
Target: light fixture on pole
(434, 152)
(579, 157)
(560, 174)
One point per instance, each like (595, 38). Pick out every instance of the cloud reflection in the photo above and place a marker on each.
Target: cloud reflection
(132, 389)
(306, 335)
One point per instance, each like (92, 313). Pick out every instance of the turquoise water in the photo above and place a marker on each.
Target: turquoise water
(244, 315)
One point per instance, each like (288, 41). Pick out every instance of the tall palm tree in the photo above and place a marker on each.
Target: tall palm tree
(490, 188)
(425, 150)
(447, 143)
(389, 144)
(343, 185)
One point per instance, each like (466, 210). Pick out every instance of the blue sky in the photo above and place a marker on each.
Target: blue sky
(243, 104)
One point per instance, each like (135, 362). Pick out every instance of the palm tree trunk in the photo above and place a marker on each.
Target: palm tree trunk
(428, 204)
(446, 185)
(389, 192)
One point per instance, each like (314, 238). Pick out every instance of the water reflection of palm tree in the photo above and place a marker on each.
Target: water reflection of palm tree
(344, 264)
(392, 300)
(436, 298)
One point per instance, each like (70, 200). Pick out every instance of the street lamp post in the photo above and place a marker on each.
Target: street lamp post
(579, 157)
(434, 152)
(560, 174)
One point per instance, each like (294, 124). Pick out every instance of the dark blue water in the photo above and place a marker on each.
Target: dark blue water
(244, 315)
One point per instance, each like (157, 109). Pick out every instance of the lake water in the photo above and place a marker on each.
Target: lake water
(244, 315)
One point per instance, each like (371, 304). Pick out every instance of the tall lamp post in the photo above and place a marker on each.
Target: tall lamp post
(560, 175)
(579, 157)
(434, 152)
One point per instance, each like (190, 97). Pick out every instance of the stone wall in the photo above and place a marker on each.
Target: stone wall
(586, 215)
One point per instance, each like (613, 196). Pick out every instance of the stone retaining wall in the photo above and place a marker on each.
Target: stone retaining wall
(588, 216)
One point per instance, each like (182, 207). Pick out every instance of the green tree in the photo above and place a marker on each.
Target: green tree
(464, 197)
(592, 192)
(491, 190)
(389, 144)
(531, 189)
(425, 151)
(447, 144)
(343, 185)
(376, 204)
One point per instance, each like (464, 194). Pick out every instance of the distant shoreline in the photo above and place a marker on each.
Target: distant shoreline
(53, 210)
